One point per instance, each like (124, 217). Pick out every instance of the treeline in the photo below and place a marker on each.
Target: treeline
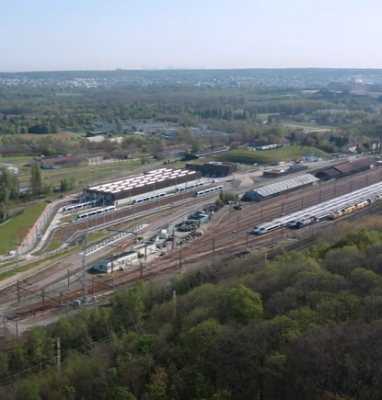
(305, 326)
(38, 110)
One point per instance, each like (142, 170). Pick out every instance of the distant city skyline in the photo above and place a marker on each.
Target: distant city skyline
(43, 35)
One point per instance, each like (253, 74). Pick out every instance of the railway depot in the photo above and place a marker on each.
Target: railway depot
(153, 183)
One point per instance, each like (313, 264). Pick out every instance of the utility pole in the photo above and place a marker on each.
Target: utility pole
(145, 252)
(18, 291)
(43, 300)
(4, 325)
(174, 297)
(180, 261)
(84, 277)
(58, 355)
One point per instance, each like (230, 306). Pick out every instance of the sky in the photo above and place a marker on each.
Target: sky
(46, 35)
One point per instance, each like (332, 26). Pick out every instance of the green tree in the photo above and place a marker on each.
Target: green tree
(196, 145)
(47, 189)
(64, 185)
(3, 212)
(244, 304)
(29, 390)
(130, 303)
(8, 186)
(36, 179)
(120, 393)
(72, 183)
(120, 128)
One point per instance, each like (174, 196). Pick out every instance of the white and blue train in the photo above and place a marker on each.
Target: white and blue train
(209, 190)
(95, 213)
(75, 207)
(149, 198)
(188, 187)
(333, 208)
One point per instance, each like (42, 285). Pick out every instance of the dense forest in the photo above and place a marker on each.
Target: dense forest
(303, 326)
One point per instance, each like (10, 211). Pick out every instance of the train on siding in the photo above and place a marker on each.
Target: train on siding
(79, 206)
(149, 197)
(181, 189)
(94, 213)
(333, 209)
(209, 190)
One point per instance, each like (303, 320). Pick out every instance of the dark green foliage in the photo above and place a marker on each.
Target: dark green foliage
(294, 328)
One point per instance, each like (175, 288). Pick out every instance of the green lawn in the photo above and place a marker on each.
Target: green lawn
(19, 160)
(266, 156)
(52, 246)
(83, 174)
(18, 227)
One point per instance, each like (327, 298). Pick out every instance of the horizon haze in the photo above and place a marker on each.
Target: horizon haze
(243, 34)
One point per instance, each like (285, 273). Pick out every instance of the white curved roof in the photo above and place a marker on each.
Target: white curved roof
(286, 185)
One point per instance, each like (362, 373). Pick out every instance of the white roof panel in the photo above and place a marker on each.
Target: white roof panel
(286, 185)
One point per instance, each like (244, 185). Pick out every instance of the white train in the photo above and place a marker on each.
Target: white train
(209, 190)
(95, 213)
(188, 187)
(149, 198)
(75, 207)
(333, 208)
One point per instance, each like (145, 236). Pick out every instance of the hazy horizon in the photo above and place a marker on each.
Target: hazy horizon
(99, 35)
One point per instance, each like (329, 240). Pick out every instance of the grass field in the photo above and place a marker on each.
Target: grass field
(84, 174)
(266, 156)
(17, 228)
(17, 160)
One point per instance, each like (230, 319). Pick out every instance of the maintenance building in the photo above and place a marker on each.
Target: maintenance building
(157, 181)
(276, 189)
(212, 168)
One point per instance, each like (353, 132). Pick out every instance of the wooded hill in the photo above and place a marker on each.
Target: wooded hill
(304, 326)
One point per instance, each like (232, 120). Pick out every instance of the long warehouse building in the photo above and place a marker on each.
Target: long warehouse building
(276, 189)
(155, 181)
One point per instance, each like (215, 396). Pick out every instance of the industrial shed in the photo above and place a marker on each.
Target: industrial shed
(345, 169)
(212, 168)
(157, 181)
(278, 188)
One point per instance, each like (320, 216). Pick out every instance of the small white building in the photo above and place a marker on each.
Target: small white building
(10, 167)
(118, 262)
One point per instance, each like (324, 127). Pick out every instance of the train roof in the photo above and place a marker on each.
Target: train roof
(330, 206)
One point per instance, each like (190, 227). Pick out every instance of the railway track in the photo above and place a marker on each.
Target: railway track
(227, 235)
(307, 239)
